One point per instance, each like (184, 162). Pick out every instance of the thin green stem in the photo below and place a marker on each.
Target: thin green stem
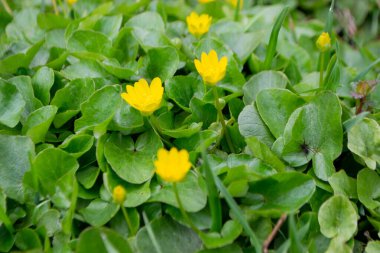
(56, 11)
(151, 233)
(321, 69)
(237, 10)
(63, 8)
(183, 212)
(6, 7)
(221, 119)
(129, 223)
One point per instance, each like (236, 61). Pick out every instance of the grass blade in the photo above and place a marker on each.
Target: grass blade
(273, 38)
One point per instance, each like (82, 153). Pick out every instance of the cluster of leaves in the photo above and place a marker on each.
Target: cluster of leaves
(67, 138)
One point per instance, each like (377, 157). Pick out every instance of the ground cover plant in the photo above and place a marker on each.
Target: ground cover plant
(189, 126)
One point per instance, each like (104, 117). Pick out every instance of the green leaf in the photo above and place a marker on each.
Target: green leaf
(203, 112)
(183, 131)
(275, 107)
(87, 176)
(50, 21)
(261, 81)
(89, 41)
(69, 98)
(315, 130)
(192, 191)
(84, 69)
(99, 212)
(281, 193)
(99, 109)
(12, 104)
(372, 247)
(230, 231)
(171, 237)
(51, 165)
(38, 123)
(16, 153)
(77, 144)
(368, 188)
(262, 151)
(126, 118)
(343, 184)
(27, 239)
(12, 63)
(181, 89)
(101, 240)
(251, 124)
(227, 249)
(113, 67)
(242, 44)
(136, 194)
(162, 62)
(7, 239)
(364, 141)
(24, 86)
(337, 245)
(43, 80)
(337, 217)
(132, 161)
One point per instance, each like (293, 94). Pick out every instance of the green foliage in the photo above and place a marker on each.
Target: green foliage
(267, 145)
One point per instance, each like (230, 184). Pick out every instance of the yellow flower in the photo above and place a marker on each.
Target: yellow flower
(71, 2)
(210, 68)
(173, 165)
(205, 1)
(198, 25)
(119, 194)
(323, 42)
(143, 97)
(234, 3)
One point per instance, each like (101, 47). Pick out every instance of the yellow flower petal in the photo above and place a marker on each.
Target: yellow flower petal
(173, 165)
(119, 194)
(198, 25)
(210, 68)
(143, 97)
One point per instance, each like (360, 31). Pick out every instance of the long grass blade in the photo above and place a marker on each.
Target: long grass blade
(271, 50)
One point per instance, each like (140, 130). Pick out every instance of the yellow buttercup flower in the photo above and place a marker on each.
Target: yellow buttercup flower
(143, 97)
(198, 24)
(173, 165)
(205, 1)
(323, 42)
(71, 2)
(119, 194)
(210, 68)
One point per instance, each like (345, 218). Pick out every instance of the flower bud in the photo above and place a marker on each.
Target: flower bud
(119, 194)
(324, 42)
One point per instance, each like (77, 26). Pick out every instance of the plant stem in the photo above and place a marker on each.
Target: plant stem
(237, 10)
(221, 119)
(321, 69)
(183, 212)
(6, 7)
(129, 223)
(56, 11)
(63, 8)
(273, 233)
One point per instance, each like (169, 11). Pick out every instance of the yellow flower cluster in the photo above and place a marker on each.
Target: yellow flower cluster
(143, 97)
(323, 42)
(173, 165)
(198, 24)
